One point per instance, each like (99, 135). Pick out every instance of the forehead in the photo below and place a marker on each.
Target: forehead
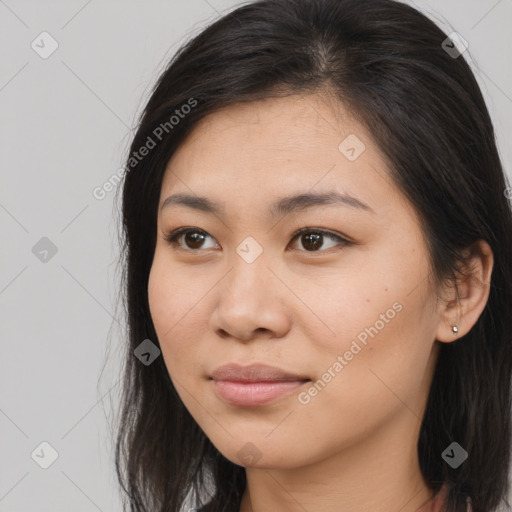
(269, 148)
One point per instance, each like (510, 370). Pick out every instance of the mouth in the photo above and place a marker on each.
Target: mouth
(254, 385)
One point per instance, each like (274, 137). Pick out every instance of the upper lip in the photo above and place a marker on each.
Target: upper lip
(253, 373)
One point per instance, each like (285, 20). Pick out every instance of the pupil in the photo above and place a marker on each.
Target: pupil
(194, 240)
(312, 241)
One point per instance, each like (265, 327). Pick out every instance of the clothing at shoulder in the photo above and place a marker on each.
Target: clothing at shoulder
(436, 503)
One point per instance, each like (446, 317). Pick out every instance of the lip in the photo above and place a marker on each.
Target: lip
(254, 385)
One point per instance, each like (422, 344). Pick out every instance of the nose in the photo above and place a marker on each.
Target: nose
(251, 302)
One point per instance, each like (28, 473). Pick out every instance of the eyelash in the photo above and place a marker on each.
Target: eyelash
(172, 237)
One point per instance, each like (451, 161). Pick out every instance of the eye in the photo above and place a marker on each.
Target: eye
(311, 239)
(314, 239)
(194, 238)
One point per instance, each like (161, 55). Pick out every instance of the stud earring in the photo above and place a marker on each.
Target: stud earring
(455, 329)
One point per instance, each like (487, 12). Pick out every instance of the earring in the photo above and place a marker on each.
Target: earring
(455, 329)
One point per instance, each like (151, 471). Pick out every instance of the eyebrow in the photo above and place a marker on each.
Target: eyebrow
(280, 207)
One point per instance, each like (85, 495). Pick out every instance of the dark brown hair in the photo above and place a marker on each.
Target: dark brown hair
(384, 61)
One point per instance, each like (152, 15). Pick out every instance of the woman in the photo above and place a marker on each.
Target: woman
(319, 243)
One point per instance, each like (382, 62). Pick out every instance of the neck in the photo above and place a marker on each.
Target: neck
(379, 472)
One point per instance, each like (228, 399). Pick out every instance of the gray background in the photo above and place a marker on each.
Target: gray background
(65, 129)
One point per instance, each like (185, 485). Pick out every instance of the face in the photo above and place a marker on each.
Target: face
(330, 288)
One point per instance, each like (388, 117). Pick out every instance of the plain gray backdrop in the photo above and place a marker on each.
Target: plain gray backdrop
(65, 129)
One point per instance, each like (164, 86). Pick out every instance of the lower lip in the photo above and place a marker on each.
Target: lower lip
(253, 394)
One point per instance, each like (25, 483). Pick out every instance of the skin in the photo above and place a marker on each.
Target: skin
(352, 447)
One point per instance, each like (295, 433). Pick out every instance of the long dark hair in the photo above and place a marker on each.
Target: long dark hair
(388, 64)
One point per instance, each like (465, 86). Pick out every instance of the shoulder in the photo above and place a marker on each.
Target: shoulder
(438, 502)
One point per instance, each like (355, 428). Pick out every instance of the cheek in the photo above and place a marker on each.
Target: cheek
(174, 312)
(377, 333)
(378, 361)
(352, 306)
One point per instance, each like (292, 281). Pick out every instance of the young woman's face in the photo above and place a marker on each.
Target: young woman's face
(343, 310)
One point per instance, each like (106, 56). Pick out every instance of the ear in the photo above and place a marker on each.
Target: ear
(465, 300)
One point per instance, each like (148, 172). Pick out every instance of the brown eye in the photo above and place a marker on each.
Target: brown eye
(315, 240)
(312, 241)
(193, 238)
